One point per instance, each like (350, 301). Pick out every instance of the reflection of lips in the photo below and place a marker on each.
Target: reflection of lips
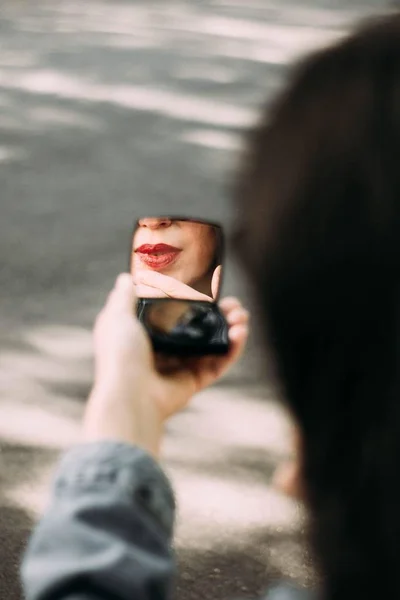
(157, 256)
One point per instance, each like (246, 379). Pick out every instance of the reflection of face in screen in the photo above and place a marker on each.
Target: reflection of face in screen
(164, 316)
(186, 251)
(183, 319)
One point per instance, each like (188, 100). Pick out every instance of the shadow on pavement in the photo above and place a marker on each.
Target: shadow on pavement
(244, 570)
(15, 527)
(21, 466)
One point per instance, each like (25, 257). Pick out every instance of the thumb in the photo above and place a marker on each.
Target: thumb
(123, 297)
(215, 283)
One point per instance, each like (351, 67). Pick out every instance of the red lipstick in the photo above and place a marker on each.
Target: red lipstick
(157, 256)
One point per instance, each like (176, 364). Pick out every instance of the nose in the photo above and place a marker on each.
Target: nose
(155, 222)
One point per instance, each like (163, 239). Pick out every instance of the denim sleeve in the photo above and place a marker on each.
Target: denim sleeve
(107, 531)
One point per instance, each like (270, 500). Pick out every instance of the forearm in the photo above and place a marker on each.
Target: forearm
(107, 532)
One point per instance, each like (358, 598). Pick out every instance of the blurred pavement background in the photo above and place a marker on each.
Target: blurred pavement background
(110, 111)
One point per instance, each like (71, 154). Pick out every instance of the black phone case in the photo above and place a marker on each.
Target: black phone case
(206, 334)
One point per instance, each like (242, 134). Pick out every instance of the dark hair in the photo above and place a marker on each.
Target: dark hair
(319, 212)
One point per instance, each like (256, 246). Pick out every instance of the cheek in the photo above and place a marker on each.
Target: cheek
(208, 248)
(200, 254)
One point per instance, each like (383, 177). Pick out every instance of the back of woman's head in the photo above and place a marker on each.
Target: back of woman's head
(319, 205)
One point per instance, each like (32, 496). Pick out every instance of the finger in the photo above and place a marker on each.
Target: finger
(237, 316)
(211, 368)
(228, 304)
(146, 291)
(160, 281)
(171, 286)
(238, 335)
(123, 296)
(182, 292)
(216, 280)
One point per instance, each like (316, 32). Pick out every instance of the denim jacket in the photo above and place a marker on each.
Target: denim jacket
(107, 533)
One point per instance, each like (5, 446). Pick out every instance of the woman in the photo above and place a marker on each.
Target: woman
(176, 258)
(319, 212)
(319, 205)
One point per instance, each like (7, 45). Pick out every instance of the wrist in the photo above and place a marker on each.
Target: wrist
(114, 413)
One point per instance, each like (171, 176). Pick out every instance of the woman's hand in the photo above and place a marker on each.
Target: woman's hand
(150, 284)
(134, 391)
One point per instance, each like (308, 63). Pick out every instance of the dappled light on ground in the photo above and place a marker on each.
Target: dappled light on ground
(180, 106)
(212, 139)
(220, 453)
